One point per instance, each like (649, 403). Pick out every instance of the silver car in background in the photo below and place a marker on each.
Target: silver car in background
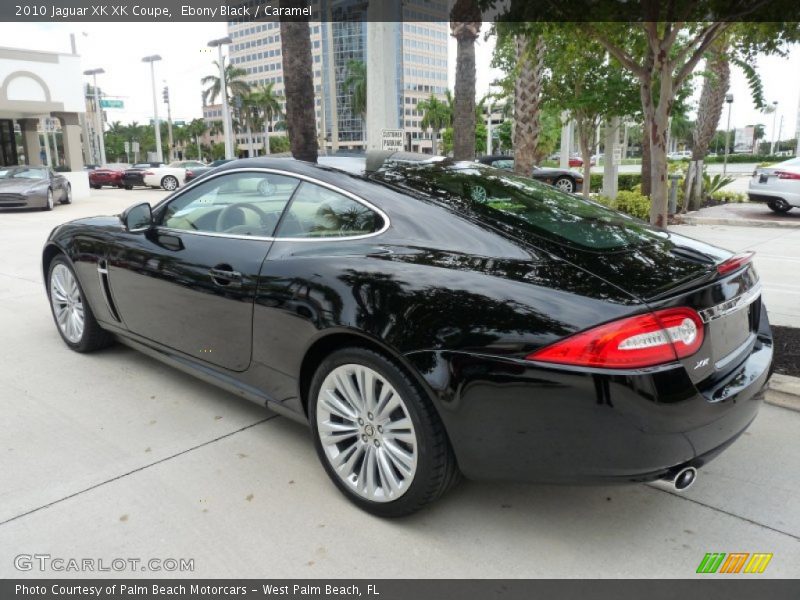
(777, 185)
(33, 187)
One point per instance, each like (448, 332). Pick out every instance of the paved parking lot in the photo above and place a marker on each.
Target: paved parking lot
(114, 455)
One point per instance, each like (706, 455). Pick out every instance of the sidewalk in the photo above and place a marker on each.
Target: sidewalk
(745, 214)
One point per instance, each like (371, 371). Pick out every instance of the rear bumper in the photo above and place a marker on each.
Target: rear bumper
(764, 193)
(513, 420)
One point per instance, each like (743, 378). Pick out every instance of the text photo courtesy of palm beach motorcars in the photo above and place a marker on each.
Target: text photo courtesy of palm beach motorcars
(419, 290)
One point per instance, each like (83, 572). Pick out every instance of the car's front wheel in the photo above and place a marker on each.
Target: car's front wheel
(565, 184)
(378, 437)
(779, 205)
(49, 202)
(169, 183)
(73, 316)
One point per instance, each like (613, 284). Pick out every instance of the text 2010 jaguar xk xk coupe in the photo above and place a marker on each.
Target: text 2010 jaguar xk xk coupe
(431, 319)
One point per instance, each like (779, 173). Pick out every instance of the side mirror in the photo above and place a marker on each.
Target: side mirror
(138, 217)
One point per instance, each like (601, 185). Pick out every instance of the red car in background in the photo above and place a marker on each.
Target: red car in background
(108, 175)
(577, 161)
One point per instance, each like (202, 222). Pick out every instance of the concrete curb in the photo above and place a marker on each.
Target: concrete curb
(784, 391)
(689, 219)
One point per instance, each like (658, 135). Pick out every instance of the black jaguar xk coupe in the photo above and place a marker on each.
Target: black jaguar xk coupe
(430, 319)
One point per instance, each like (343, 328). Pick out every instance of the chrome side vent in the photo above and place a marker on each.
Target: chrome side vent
(102, 272)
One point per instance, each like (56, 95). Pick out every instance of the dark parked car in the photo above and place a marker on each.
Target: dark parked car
(195, 172)
(33, 187)
(111, 176)
(431, 319)
(563, 179)
(134, 177)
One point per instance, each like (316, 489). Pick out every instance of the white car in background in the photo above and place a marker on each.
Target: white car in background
(171, 176)
(778, 185)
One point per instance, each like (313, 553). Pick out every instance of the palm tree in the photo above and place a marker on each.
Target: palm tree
(234, 78)
(435, 115)
(298, 79)
(196, 128)
(269, 105)
(527, 101)
(357, 82)
(465, 25)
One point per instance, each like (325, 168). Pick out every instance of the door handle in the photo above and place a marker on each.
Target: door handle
(224, 275)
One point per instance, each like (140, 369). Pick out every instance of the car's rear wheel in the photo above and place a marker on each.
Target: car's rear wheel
(128, 187)
(73, 316)
(378, 437)
(169, 183)
(565, 184)
(67, 195)
(779, 205)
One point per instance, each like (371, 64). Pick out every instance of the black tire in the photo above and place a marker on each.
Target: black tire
(436, 469)
(49, 202)
(67, 196)
(565, 184)
(96, 187)
(779, 205)
(128, 187)
(94, 337)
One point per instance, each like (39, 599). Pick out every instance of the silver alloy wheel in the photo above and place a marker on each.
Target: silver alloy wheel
(565, 185)
(49, 199)
(169, 183)
(65, 298)
(366, 433)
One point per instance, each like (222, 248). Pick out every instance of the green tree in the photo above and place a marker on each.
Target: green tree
(436, 116)
(356, 82)
(235, 82)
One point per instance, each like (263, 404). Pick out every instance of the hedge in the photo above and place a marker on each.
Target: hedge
(625, 181)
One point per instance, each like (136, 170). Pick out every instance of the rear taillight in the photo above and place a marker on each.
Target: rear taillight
(662, 336)
(147, 173)
(189, 173)
(787, 175)
(735, 262)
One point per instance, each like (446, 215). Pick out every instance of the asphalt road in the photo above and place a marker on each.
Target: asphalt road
(113, 455)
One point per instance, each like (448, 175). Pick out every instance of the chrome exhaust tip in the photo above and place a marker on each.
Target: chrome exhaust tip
(677, 481)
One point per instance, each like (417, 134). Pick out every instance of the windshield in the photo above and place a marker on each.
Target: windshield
(530, 207)
(23, 173)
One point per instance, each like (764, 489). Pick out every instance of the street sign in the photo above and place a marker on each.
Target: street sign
(392, 139)
(127, 147)
(136, 146)
(105, 103)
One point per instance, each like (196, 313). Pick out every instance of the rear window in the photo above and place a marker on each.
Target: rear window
(529, 206)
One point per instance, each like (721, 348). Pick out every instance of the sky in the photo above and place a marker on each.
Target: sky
(119, 47)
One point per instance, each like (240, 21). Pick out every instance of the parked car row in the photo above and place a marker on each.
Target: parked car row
(145, 174)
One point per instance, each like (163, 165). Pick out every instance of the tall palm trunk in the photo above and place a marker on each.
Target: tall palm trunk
(465, 25)
(712, 99)
(301, 121)
(527, 101)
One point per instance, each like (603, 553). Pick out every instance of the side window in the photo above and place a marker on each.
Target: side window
(317, 212)
(235, 203)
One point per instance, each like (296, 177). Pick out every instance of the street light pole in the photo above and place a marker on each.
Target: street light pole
(729, 100)
(227, 126)
(489, 127)
(774, 114)
(98, 114)
(157, 125)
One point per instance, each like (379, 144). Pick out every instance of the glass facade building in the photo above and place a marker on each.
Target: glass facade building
(338, 34)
